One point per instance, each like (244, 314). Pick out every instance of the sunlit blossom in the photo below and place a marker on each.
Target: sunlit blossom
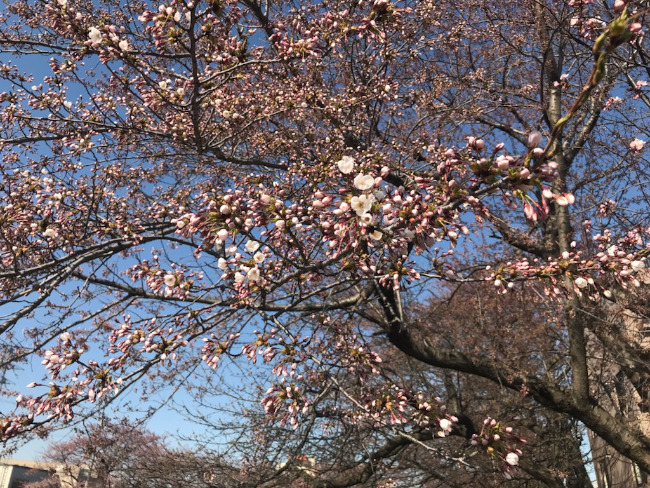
(364, 182)
(252, 246)
(362, 203)
(169, 279)
(95, 35)
(366, 219)
(50, 232)
(253, 274)
(637, 145)
(637, 265)
(346, 165)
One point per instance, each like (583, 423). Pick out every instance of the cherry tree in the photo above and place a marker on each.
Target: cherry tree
(283, 182)
(121, 454)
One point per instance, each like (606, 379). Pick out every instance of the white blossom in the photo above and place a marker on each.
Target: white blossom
(581, 282)
(50, 232)
(253, 274)
(364, 182)
(362, 204)
(222, 235)
(169, 279)
(637, 145)
(95, 35)
(366, 219)
(346, 165)
(637, 265)
(252, 246)
(445, 425)
(124, 45)
(512, 459)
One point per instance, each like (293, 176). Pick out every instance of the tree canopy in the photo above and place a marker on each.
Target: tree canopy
(377, 207)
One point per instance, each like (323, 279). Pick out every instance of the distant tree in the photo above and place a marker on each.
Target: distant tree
(121, 454)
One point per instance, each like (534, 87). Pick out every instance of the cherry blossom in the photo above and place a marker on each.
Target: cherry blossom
(364, 182)
(637, 145)
(512, 459)
(95, 35)
(346, 165)
(175, 175)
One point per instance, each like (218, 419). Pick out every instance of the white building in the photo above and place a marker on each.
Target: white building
(14, 473)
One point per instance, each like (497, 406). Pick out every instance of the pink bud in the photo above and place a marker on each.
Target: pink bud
(534, 138)
(635, 27)
(502, 163)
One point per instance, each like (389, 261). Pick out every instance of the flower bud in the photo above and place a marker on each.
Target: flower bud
(534, 138)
